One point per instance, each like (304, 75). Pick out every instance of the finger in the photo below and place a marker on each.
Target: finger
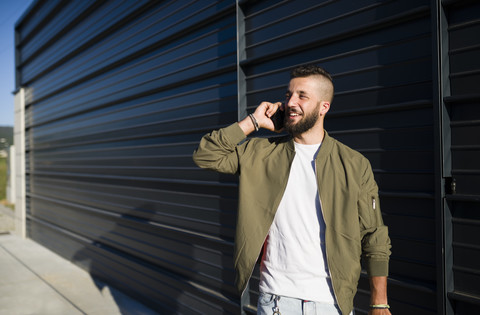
(261, 110)
(269, 109)
(272, 108)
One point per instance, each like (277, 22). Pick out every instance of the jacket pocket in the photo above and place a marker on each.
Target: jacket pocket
(367, 208)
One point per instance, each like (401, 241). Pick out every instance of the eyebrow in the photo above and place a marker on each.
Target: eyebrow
(299, 92)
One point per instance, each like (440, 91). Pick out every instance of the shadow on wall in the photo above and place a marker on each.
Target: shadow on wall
(108, 265)
(158, 265)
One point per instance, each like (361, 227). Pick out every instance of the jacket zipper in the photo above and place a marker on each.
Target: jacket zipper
(326, 251)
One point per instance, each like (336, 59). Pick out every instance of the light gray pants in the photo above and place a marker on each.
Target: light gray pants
(269, 304)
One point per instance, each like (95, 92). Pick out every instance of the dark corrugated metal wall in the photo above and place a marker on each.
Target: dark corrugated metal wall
(379, 53)
(463, 106)
(118, 94)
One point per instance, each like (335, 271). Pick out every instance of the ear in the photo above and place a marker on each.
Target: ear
(324, 107)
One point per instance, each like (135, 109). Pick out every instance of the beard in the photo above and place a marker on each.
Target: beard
(304, 124)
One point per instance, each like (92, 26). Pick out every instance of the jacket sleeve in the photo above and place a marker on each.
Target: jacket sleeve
(218, 150)
(375, 240)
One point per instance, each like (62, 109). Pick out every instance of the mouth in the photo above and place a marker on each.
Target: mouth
(293, 114)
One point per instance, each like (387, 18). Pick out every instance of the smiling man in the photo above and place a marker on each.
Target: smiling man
(310, 202)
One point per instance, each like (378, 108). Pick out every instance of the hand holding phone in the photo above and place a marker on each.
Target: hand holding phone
(278, 119)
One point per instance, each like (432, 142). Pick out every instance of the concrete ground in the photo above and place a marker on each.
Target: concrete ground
(6, 219)
(34, 280)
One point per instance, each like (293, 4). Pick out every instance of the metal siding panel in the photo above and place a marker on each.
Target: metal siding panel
(116, 105)
(153, 286)
(325, 24)
(71, 29)
(464, 114)
(152, 242)
(102, 49)
(31, 22)
(380, 56)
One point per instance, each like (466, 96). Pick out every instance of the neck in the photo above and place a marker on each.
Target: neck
(312, 136)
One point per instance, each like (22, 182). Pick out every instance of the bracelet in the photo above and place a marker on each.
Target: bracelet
(254, 121)
(380, 306)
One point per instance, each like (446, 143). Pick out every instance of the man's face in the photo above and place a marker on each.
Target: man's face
(302, 105)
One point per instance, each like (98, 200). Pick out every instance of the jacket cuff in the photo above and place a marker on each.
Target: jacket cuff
(377, 268)
(234, 133)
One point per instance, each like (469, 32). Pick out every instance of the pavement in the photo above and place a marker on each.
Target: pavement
(36, 281)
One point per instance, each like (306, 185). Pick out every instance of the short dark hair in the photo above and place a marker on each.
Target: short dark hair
(308, 70)
(311, 70)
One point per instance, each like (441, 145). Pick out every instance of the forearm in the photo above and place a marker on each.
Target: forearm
(378, 290)
(378, 296)
(217, 150)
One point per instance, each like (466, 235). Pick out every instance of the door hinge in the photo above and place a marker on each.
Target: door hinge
(450, 186)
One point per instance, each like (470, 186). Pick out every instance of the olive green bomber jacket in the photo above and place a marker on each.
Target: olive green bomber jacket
(348, 197)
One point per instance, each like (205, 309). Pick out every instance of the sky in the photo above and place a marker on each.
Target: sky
(10, 12)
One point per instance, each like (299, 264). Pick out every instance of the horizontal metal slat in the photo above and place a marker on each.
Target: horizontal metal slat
(464, 221)
(463, 197)
(149, 138)
(455, 99)
(463, 123)
(464, 297)
(472, 172)
(467, 24)
(125, 151)
(470, 73)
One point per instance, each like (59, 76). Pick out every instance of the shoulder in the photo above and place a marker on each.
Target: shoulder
(346, 153)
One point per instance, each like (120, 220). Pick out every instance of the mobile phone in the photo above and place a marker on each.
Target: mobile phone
(278, 119)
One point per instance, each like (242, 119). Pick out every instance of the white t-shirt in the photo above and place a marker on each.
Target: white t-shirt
(294, 260)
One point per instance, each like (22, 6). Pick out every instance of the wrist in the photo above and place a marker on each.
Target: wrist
(379, 307)
(247, 125)
(384, 306)
(254, 122)
(378, 290)
(377, 300)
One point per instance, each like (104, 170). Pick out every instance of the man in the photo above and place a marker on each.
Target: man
(309, 201)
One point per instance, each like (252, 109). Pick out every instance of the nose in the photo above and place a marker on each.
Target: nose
(291, 101)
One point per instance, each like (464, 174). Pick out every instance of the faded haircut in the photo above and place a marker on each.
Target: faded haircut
(306, 71)
(314, 70)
